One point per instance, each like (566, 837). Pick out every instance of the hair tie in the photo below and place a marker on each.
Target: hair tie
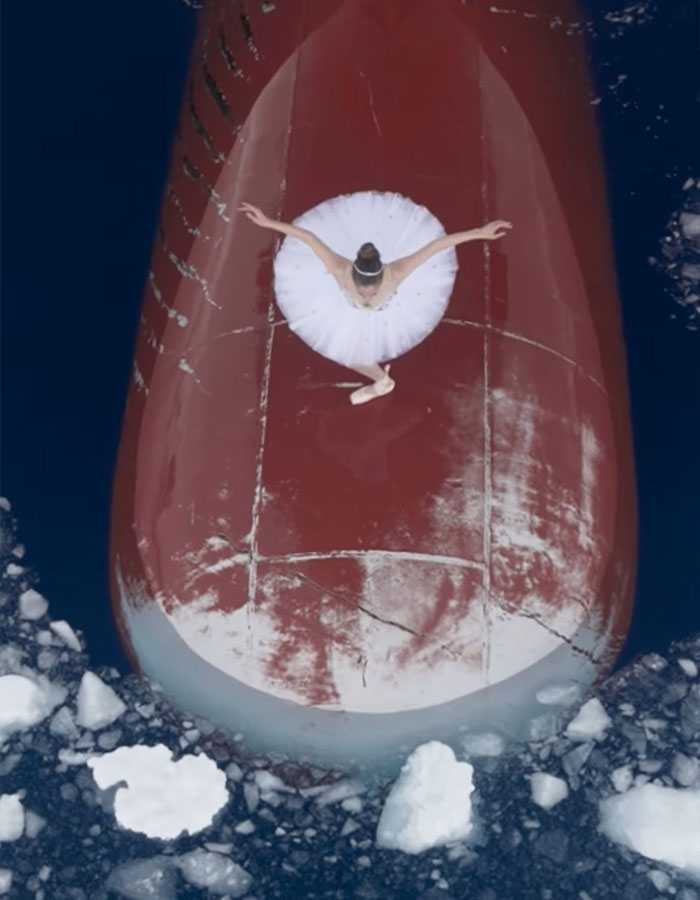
(368, 274)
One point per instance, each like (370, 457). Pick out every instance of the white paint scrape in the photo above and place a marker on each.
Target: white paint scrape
(162, 798)
(429, 804)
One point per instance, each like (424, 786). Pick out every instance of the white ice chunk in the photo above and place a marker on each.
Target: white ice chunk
(348, 828)
(659, 822)
(660, 880)
(266, 781)
(5, 881)
(622, 778)
(25, 702)
(11, 817)
(98, 704)
(560, 694)
(162, 798)
(486, 744)
(74, 757)
(234, 772)
(685, 770)
(66, 633)
(590, 722)
(341, 790)
(5, 504)
(32, 605)
(217, 873)
(689, 667)
(63, 723)
(145, 879)
(547, 790)
(14, 570)
(33, 823)
(690, 224)
(429, 804)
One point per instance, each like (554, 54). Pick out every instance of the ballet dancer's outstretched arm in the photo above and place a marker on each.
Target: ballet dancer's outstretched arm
(334, 262)
(402, 268)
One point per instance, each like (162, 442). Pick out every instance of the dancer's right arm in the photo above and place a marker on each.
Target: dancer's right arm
(402, 268)
(334, 262)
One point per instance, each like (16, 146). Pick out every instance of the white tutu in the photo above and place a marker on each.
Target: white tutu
(320, 313)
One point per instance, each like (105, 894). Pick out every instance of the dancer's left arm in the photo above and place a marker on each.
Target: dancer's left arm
(403, 267)
(334, 262)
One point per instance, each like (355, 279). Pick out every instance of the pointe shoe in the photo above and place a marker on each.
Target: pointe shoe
(372, 391)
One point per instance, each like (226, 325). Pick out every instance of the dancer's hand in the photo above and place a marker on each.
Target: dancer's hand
(255, 214)
(497, 229)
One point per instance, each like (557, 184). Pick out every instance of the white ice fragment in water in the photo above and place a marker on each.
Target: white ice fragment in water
(547, 790)
(5, 504)
(25, 702)
(162, 797)
(11, 817)
(590, 722)
(215, 872)
(545, 726)
(5, 881)
(689, 667)
(659, 822)
(622, 778)
(145, 879)
(98, 704)
(266, 781)
(66, 633)
(341, 790)
(32, 605)
(234, 772)
(63, 724)
(486, 744)
(561, 694)
(14, 570)
(33, 823)
(660, 880)
(353, 805)
(429, 803)
(251, 795)
(348, 828)
(685, 770)
(690, 224)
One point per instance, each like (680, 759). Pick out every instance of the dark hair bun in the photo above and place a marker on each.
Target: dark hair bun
(368, 251)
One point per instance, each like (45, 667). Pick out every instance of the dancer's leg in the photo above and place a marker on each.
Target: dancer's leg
(382, 383)
(375, 372)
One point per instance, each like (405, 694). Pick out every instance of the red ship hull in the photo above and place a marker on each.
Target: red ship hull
(332, 579)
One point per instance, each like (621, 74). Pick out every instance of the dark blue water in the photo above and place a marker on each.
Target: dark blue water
(90, 95)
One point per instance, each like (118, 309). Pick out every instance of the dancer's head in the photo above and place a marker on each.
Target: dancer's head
(367, 270)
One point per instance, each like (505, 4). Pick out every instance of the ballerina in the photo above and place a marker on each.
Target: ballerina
(352, 333)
